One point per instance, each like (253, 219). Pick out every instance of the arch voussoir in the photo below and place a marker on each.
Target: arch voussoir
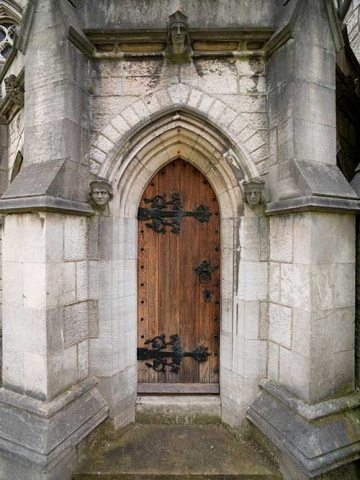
(240, 138)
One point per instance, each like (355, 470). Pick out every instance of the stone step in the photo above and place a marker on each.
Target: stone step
(182, 452)
(175, 409)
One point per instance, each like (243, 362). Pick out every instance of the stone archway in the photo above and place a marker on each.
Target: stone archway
(175, 134)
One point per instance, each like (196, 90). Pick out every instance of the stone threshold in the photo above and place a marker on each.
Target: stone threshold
(178, 409)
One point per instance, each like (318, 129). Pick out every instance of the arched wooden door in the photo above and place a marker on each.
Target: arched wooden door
(178, 283)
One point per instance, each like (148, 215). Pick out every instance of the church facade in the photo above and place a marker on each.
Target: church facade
(179, 199)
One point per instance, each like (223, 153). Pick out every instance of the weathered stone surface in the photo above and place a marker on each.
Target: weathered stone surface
(254, 14)
(312, 445)
(281, 239)
(253, 279)
(39, 439)
(83, 359)
(62, 371)
(175, 410)
(61, 471)
(54, 179)
(75, 238)
(76, 323)
(61, 284)
(287, 282)
(82, 281)
(280, 321)
(273, 362)
(159, 452)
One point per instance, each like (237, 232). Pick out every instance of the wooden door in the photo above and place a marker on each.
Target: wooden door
(178, 283)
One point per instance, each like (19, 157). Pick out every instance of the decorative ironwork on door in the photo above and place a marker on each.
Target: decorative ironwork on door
(204, 270)
(160, 213)
(159, 355)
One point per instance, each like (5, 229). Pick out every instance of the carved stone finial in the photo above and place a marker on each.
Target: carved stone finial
(15, 90)
(254, 190)
(100, 195)
(178, 48)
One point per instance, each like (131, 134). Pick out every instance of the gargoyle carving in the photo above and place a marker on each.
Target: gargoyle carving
(15, 90)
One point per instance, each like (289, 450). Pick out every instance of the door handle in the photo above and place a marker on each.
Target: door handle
(204, 271)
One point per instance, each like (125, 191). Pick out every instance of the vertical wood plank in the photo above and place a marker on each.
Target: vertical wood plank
(170, 296)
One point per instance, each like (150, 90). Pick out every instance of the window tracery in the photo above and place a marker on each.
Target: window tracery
(10, 18)
(7, 33)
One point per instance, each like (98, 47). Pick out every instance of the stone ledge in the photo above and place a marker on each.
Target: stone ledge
(48, 409)
(311, 412)
(330, 438)
(58, 185)
(45, 203)
(313, 203)
(40, 440)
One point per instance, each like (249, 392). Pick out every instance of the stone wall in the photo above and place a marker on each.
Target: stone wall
(96, 107)
(352, 21)
(16, 142)
(301, 304)
(239, 84)
(136, 14)
(227, 91)
(65, 348)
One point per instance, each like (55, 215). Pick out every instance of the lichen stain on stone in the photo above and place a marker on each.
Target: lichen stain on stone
(96, 67)
(151, 70)
(352, 422)
(256, 65)
(164, 451)
(198, 67)
(214, 66)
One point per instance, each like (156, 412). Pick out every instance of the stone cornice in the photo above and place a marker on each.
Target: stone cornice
(44, 203)
(204, 42)
(80, 42)
(314, 203)
(47, 409)
(311, 413)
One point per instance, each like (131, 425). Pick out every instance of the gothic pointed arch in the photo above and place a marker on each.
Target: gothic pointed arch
(244, 142)
(178, 133)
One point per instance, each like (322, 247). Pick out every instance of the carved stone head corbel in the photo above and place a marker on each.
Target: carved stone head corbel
(254, 193)
(15, 89)
(178, 48)
(100, 195)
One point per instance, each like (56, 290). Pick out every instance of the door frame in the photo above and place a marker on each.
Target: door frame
(166, 136)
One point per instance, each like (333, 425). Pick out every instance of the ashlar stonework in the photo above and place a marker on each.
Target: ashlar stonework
(261, 99)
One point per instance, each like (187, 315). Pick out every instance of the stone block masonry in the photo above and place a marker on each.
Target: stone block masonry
(246, 95)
